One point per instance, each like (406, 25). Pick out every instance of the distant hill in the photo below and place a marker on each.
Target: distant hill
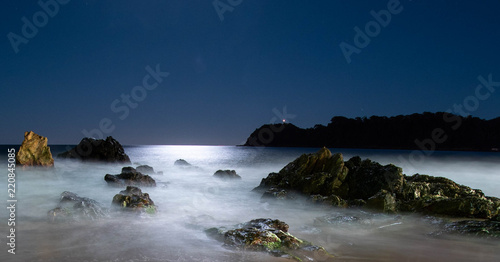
(427, 131)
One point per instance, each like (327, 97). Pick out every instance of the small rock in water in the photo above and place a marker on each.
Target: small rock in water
(226, 174)
(133, 199)
(270, 236)
(145, 169)
(73, 208)
(130, 176)
(181, 162)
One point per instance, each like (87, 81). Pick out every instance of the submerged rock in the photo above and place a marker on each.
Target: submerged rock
(133, 199)
(270, 236)
(130, 176)
(326, 178)
(226, 174)
(90, 149)
(73, 208)
(34, 151)
(145, 169)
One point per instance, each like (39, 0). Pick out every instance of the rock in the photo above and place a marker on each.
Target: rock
(34, 151)
(145, 169)
(181, 162)
(320, 173)
(442, 196)
(277, 193)
(133, 199)
(482, 229)
(270, 236)
(90, 149)
(74, 208)
(366, 178)
(327, 179)
(382, 201)
(331, 200)
(130, 176)
(226, 174)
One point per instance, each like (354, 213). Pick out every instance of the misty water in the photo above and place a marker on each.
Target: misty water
(190, 200)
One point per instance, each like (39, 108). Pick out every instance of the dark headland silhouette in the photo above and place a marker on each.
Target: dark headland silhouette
(426, 131)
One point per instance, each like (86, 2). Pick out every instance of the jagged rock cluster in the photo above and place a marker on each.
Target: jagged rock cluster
(327, 178)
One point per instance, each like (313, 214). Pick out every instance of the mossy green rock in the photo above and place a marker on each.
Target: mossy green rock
(133, 199)
(34, 151)
(270, 236)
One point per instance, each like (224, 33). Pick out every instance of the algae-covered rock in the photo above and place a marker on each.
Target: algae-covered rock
(270, 236)
(34, 151)
(72, 207)
(129, 176)
(133, 199)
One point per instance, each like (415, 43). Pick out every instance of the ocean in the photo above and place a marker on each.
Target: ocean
(190, 200)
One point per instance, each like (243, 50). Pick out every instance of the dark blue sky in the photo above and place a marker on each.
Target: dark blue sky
(226, 77)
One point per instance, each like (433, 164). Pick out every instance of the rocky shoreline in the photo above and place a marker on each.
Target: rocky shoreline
(322, 178)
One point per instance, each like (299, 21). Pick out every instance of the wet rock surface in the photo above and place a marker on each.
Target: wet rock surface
(34, 151)
(133, 199)
(326, 178)
(483, 229)
(90, 149)
(226, 174)
(268, 235)
(72, 207)
(129, 176)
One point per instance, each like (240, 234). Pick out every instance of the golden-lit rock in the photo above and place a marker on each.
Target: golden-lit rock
(34, 151)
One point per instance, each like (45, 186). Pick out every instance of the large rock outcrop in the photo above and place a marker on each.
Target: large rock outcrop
(72, 207)
(326, 178)
(129, 176)
(90, 149)
(133, 199)
(34, 151)
(270, 236)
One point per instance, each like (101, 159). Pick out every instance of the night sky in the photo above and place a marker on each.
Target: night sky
(86, 65)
